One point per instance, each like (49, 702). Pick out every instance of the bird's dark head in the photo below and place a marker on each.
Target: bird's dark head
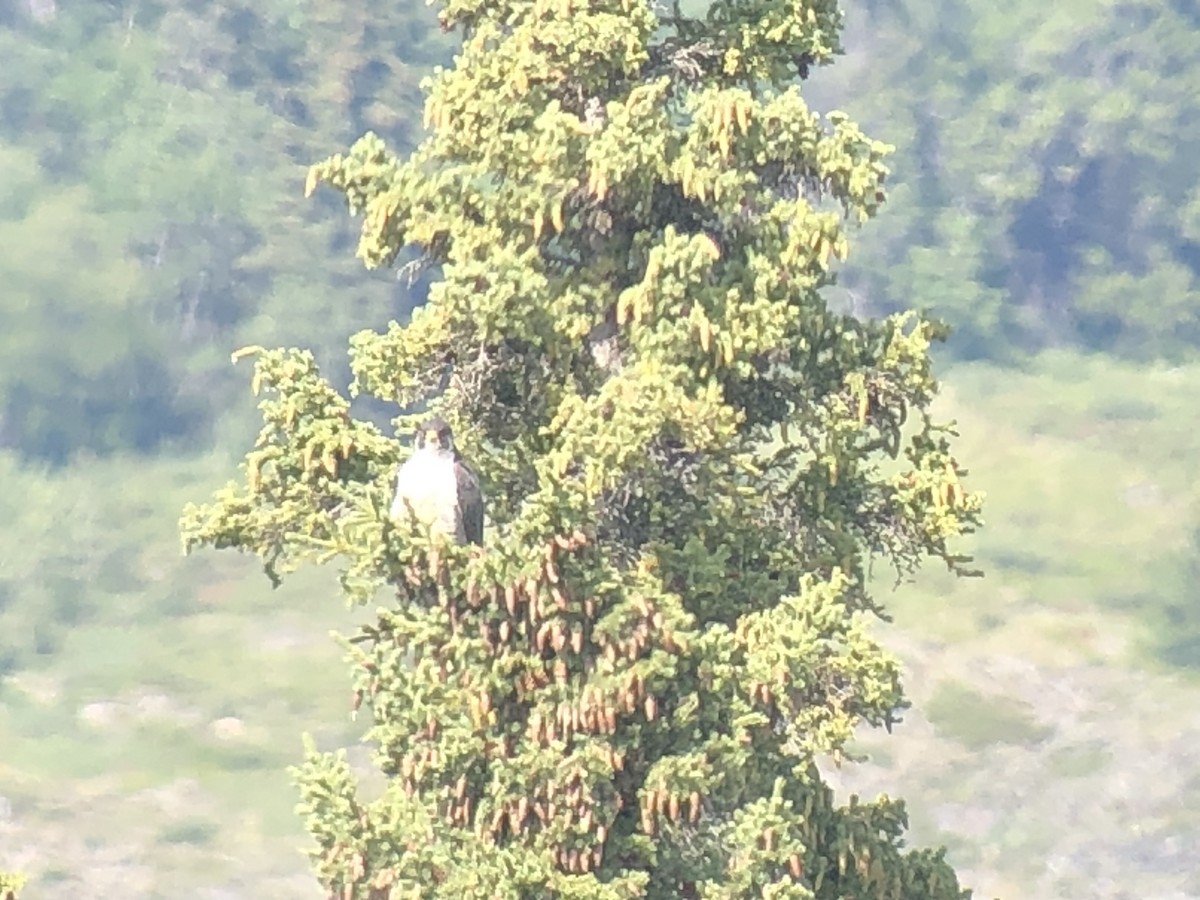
(435, 434)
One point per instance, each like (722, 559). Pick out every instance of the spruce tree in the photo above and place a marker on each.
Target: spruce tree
(691, 461)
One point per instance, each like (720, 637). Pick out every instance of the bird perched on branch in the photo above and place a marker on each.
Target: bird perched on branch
(437, 488)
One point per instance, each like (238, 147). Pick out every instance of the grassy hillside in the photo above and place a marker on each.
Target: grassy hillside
(150, 703)
(1053, 741)
(1092, 510)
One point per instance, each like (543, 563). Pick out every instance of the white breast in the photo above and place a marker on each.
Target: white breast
(427, 485)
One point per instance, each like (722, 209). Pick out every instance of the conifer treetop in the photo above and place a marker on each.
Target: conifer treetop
(691, 462)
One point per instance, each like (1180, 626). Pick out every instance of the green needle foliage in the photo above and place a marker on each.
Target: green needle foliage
(10, 885)
(691, 464)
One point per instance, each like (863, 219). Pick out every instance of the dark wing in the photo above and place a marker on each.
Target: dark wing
(470, 503)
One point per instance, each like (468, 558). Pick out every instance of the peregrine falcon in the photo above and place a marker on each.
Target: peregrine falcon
(437, 488)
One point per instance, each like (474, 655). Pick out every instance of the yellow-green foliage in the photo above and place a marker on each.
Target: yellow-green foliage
(9, 885)
(690, 461)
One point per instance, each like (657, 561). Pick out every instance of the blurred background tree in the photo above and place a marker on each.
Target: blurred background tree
(1049, 197)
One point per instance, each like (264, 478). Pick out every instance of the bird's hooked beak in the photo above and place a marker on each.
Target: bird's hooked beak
(432, 438)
